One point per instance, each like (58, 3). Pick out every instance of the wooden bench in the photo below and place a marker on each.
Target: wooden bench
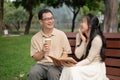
(112, 53)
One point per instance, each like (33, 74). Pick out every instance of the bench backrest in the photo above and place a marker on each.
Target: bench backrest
(112, 51)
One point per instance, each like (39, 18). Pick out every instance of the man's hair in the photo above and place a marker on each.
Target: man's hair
(40, 14)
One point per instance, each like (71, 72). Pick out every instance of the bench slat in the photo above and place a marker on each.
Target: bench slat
(112, 52)
(113, 77)
(72, 42)
(71, 35)
(112, 62)
(113, 71)
(112, 35)
(73, 49)
(113, 44)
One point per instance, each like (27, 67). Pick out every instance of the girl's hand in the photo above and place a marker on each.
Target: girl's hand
(82, 36)
(67, 64)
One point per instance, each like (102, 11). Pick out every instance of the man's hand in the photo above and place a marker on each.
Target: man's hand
(46, 48)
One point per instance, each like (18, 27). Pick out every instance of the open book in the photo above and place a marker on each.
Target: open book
(66, 60)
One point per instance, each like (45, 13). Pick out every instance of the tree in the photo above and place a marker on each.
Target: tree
(14, 16)
(1, 14)
(53, 3)
(75, 5)
(111, 16)
(28, 5)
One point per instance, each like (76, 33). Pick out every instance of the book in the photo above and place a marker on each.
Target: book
(63, 60)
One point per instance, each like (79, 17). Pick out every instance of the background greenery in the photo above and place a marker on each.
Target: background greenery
(15, 60)
(15, 18)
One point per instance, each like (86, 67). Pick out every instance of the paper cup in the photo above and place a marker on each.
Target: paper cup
(48, 41)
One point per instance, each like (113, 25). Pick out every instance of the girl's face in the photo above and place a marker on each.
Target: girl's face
(84, 25)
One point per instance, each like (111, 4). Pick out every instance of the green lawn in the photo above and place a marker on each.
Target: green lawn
(15, 60)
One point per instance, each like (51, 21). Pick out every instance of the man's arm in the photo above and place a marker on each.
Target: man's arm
(38, 56)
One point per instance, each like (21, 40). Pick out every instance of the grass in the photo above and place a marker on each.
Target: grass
(15, 60)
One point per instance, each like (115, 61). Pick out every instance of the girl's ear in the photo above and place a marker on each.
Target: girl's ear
(89, 28)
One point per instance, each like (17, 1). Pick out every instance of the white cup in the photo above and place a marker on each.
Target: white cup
(48, 41)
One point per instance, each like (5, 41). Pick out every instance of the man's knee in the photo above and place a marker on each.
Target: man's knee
(33, 72)
(36, 73)
(54, 73)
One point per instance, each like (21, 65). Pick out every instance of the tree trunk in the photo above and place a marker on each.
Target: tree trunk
(27, 27)
(29, 9)
(1, 15)
(17, 25)
(73, 20)
(111, 16)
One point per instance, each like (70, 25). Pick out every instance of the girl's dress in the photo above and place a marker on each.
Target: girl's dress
(90, 68)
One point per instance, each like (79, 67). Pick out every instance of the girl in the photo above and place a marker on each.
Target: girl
(90, 45)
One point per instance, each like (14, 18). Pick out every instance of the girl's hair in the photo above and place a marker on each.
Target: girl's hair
(93, 22)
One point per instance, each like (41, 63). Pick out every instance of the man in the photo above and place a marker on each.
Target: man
(40, 49)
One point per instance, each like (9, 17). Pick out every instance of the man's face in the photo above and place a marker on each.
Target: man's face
(47, 21)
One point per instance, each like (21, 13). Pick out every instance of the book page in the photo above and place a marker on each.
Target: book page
(55, 61)
(66, 60)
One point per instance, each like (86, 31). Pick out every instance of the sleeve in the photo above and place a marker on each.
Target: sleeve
(94, 50)
(78, 40)
(80, 50)
(33, 47)
(66, 45)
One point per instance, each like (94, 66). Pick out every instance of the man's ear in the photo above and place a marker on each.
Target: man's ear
(40, 22)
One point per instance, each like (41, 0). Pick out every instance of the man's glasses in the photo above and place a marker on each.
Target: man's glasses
(47, 19)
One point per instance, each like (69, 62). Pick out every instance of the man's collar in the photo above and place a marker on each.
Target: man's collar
(52, 34)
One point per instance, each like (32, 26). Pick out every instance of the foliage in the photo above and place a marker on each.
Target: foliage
(53, 3)
(75, 6)
(14, 16)
(35, 12)
(119, 17)
(26, 5)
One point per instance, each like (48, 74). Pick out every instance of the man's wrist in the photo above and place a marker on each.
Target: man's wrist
(42, 51)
